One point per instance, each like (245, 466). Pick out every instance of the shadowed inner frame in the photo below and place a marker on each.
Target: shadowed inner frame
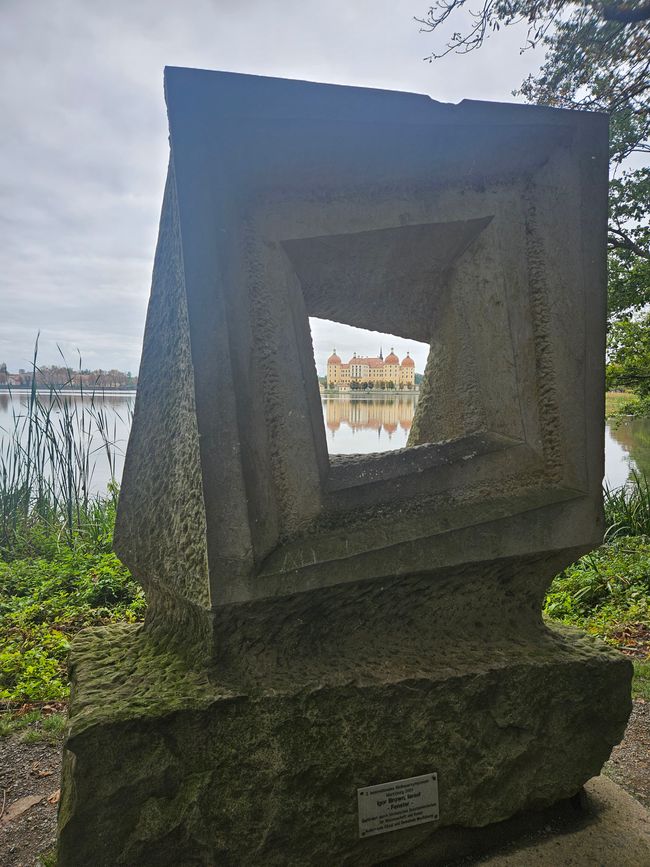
(397, 280)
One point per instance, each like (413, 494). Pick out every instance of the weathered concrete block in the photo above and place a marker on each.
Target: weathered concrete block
(316, 624)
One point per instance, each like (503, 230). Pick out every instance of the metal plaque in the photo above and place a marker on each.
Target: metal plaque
(400, 804)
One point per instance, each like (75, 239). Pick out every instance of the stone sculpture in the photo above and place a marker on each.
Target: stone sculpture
(316, 625)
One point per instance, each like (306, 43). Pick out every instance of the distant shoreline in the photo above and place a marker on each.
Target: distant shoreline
(369, 392)
(68, 389)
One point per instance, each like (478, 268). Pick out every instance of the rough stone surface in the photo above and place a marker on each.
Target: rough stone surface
(319, 624)
(171, 769)
(477, 228)
(170, 557)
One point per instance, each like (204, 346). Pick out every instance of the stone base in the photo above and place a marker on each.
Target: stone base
(165, 765)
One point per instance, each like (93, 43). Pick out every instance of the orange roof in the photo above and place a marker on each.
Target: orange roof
(371, 362)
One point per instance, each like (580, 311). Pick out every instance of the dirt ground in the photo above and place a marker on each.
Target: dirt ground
(629, 765)
(29, 788)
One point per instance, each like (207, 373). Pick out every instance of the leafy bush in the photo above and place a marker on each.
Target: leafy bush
(635, 406)
(607, 593)
(605, 589)
(45, 602)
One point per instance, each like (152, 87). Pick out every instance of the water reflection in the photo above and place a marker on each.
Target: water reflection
(354, 424)
(627, 448)
(357, 424)
(361, 424)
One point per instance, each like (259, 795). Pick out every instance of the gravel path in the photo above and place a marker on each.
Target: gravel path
(629, 765)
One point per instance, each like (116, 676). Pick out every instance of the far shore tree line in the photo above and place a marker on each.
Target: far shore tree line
(366, 386)
(58, 377)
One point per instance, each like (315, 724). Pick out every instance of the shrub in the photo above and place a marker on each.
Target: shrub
(604, 589)
(46, 601)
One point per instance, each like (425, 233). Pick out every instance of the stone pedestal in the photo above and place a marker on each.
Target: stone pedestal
(171, 764)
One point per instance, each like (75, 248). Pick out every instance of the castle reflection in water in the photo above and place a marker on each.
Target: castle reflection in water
(358, 425)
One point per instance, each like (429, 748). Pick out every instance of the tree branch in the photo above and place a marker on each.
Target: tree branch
(621, 241)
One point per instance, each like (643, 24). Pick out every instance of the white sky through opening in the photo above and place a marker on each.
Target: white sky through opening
(347, 340)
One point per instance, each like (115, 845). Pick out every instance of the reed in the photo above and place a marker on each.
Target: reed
(47, 461)
(627, 509)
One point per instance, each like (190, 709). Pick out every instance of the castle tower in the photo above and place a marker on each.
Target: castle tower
(407, 372)
(333, 370)
(392, 368)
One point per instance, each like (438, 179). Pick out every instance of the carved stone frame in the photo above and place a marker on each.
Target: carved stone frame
(278, 184)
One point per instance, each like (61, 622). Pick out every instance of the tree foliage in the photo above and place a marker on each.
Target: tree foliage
(629, 355)
(597, 57)
(629, 259)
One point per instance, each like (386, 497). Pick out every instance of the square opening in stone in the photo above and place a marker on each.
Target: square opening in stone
(369, 386)
(417, 283)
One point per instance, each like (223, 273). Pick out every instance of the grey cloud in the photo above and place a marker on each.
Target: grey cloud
(83, 138)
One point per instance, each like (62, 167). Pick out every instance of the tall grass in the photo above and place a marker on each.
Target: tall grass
(47, 460)
(627, 509)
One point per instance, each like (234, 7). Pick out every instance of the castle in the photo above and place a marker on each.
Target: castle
(377, 372)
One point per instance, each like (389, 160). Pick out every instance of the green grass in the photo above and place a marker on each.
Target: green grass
(47, 459)
(615, 401)
(57, 570)
(641, 682)
(35, 726)
(627, 509)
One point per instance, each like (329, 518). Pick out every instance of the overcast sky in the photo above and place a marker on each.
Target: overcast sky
(83, 140)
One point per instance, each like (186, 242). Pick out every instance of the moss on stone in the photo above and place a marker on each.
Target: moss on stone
(120, 672)
(167, 766)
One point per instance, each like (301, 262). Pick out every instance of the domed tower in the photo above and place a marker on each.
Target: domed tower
(333, 370)
(392, 368)
(407, 373)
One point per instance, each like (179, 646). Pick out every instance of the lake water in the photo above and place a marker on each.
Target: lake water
(112, 408)
(354, 425)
